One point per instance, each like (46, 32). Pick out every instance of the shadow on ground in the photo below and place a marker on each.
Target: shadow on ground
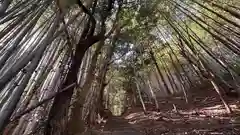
(201, 116)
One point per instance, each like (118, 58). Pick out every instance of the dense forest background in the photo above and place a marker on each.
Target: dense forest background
(65, 63)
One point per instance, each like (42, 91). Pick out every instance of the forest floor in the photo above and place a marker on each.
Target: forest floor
(203, 115)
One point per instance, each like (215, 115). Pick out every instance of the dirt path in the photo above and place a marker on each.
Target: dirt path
(121, 126)
(202, 116)
(117, 126)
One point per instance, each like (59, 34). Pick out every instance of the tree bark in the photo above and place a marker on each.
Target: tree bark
(76, 122)
(58, 116)
(153, 96)
(140, 96)
(160, 73)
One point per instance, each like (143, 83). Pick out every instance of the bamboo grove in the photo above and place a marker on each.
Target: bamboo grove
(62, 61)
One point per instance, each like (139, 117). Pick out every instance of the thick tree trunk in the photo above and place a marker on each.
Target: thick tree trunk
(59, 112)
(58, 116)
(104, 69)
(76, 122)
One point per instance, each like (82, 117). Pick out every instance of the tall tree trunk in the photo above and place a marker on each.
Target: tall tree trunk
(180, 79)
(140, 96)
(170, 77)
(76, 122)
(160, 73)
(205, 71)
(59, 112)
(58, 116)
(153, 96)
(160, 84)
(8, 109)
(104, 69)
(217, 89)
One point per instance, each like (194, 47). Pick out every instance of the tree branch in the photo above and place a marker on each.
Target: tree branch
(42, 102)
